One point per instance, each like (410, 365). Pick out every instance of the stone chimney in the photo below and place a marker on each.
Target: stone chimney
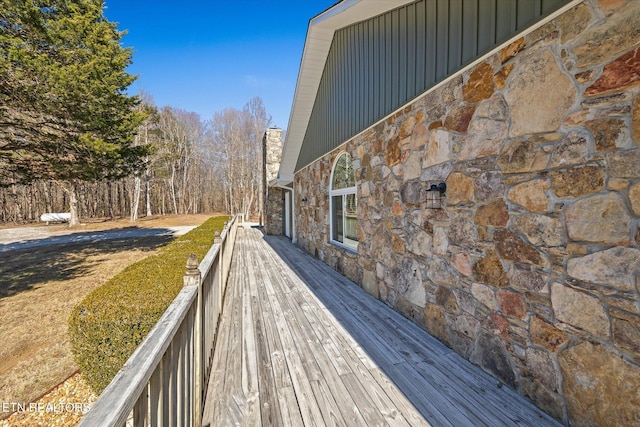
(272, 149)
(271, 217)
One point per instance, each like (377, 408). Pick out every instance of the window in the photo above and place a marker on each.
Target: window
(344, 203)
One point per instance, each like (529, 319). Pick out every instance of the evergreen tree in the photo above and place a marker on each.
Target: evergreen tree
(64, 112)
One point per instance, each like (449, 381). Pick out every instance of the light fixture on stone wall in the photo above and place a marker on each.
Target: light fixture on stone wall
(436, 196)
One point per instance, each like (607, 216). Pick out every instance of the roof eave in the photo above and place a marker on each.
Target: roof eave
(316, 49)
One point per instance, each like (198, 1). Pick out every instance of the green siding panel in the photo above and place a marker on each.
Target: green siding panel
(376, 66)
(470, 31)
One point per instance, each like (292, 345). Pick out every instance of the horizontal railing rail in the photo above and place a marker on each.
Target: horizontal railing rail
(164, 381)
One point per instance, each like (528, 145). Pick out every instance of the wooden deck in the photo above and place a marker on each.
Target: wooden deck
(300, 345)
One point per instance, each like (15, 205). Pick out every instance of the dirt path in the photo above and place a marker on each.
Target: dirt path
(40, 284)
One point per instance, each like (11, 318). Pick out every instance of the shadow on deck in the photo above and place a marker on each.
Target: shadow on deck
(300, 344)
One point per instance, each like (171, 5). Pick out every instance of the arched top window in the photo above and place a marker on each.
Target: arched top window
(343, 174)
(344, 203)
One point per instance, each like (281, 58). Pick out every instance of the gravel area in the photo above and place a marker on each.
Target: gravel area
(62, 406)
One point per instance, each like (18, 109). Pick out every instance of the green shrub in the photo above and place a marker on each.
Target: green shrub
(110, 322)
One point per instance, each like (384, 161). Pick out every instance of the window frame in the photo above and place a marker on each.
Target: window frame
(342, 193)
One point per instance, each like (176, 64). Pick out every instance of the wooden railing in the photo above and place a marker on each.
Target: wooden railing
(164, 382)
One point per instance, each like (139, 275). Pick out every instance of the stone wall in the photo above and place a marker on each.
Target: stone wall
(531, 270)
(274, 212)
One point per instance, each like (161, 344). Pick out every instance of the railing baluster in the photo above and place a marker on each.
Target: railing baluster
(155, 394)
(191, 378)
(141, 409)
(175, 370)
(220, 269)
(184, 381)
(166, 386)
(180, 378)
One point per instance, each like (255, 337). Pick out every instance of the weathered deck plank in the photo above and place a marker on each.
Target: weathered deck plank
(302, 346)
(410, 344)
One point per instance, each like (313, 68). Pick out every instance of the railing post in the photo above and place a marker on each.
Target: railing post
(193, 277)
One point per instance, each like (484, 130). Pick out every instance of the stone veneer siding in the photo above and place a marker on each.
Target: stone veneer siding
(531, 270)
(274, 211)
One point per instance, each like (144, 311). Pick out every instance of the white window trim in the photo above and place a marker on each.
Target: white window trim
(343, 191)
(340, 192)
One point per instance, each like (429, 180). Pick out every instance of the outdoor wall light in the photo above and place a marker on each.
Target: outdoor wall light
(436, 196)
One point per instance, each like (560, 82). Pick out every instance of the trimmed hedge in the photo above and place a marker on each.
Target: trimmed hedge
(107, 326)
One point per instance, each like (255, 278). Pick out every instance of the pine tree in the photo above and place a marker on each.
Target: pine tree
(64, 111)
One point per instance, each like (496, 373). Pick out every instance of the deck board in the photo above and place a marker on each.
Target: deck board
(301, 345)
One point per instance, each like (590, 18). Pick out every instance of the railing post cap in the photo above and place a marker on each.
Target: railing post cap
(192, 264)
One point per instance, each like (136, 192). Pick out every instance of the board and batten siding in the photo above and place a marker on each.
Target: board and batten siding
(376, 66)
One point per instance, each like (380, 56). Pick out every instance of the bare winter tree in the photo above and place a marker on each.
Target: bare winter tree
(236, 135)
(179, 134)
(144, 138)
(259, 120)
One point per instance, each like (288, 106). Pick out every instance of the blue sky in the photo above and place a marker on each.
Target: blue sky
(207, 55)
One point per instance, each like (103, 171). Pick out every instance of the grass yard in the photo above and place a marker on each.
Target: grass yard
(38, 289)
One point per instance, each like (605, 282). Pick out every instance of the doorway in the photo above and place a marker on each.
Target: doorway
(287, 213)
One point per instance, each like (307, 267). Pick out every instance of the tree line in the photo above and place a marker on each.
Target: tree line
(72, 139)
(192, 166)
